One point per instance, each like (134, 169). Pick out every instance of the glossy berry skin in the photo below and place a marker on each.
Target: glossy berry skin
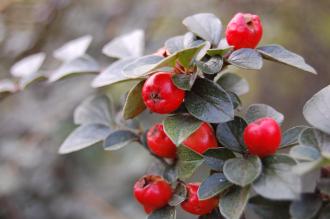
(202, 139)
(262, 137)
(244, 31)
(159, 143)
(160, 94)
(153, 192)
(195, 206)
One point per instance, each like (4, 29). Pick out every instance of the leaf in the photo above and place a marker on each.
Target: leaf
(130, 45)
(73, 49)
(219, 51)
(208, 102)
(325, 212)
(84, 136)
(213, 186)
(134, 104)
(230, 134)
(141, 65)
(163, 213)
(211, 66)
(246, 58)
(112, 74)
(324, 186)
(235, 100)
(188, 162)
(315, 138)
(304, 153)
(8, 86)
(306, 207)
(233, 203)
(233, 83)
(269, 209)
(307, 167)
(215, 214)
(179, 195)
(317, 110)
(119, 139)
(175, 44)
(28, 66)
(93, 110)
(242, 171)
(257, 111)
(277, 181)
(28, 80)
(216, 157)
(290, 136)
(205, 25)
(82, 65)
(280, 54)
(184, 81)
(179, 127)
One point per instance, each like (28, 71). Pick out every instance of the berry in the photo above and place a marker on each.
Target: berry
(195, 206)
(162, 52)
(262, 137)
(244, 31)
(153, 192)
(160, 94)
(159, 143)
(202, 139)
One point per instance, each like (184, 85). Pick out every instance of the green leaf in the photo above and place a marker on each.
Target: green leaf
(317, 110)
(233, 203)
(315, 138)
(280, 54)
(81, 65)
(179, 127)
(126, 46)
(308, 138)
(205, 25)
(215, 214)
(306, 207)
(304, 153)
(179, 195)
(184, 81)
(163, 213)
(241, 171)
(73, 49)
(212, 66)
(277, 181)
(230, 134)
(307, 167)
(175, 44)
(219, 51)
(235, 100)
(84, 136)
(290, 136)
(134, 104)
(324, 185)
(216, 157)
(191, 40)
(257, 111)
(246, 58)
(269, 209)
(325, 212)
(208, 102)
(188, 162)
(233, 83)
(213, 186)
(141, 65)
(119, 139)
(112, 74)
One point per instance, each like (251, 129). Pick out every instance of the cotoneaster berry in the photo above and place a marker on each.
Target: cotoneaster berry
(195, 206)
(244, 31)
(153, 192)
(159, 143)
(202, 139)
(160, 94)
(262, 137)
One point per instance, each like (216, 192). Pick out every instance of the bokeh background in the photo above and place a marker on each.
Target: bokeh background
(36, 182)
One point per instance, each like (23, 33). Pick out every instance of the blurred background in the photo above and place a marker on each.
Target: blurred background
(36, 182)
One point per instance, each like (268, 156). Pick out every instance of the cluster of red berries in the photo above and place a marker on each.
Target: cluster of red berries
(160, 95)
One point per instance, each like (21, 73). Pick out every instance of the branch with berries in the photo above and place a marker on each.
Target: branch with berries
(251, 162)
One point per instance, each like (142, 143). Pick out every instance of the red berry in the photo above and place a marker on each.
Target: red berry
(159, 143)
(244, 31)
(262, 137)
(153, 192)
(202, 139)
(195, 206)
(160, 94)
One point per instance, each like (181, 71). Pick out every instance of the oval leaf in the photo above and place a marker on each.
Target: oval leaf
(141, 66)
(179, 195)
(175, 44)
(246, 58)
(188, 162)
(233, 83)
(216, 157)
(119, 139)
(134, 104)
(269, 209)
(163, 213)
(304, 153)
(290, 136)
(306, 207)
(213, 186)
(257, 111)
(184, 81)
(280, 54)
(317, 139)
(28, 66)
(211, 66)
(208, 102)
